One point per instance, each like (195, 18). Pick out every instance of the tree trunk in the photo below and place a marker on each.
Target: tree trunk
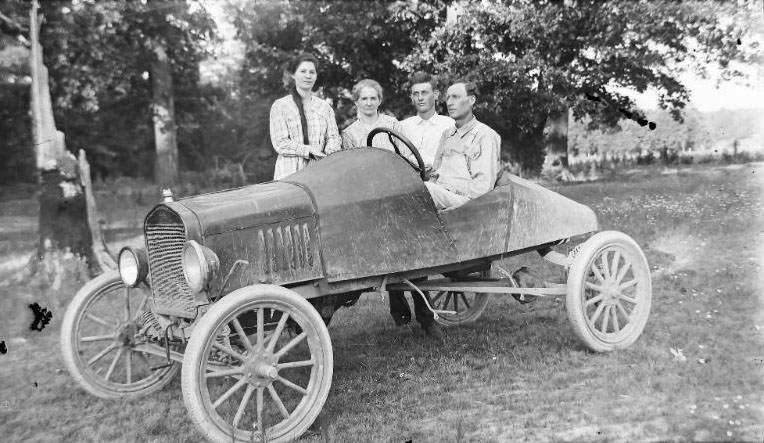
(557, 140)
(63, 216)
(64, 251)
(165, 138)
(526, 148)
(101, 257)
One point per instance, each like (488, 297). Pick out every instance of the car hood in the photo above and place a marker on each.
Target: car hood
(242, 208)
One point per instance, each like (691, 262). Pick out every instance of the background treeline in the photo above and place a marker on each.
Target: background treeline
(534, 61)
(699, 132)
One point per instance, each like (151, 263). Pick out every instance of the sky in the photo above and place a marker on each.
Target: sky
(707, 97)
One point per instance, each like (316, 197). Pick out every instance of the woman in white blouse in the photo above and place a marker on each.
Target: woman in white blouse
(367, 95)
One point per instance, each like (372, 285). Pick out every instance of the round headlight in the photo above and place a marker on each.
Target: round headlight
(133, 265)
(199, 265)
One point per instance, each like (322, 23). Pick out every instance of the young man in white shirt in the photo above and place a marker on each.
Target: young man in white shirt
(425, 130)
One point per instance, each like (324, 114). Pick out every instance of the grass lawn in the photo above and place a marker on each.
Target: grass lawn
(517, 374)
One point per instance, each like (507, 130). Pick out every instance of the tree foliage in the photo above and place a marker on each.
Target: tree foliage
(352, 40)
(99, 57)
(534, 58)
(16, 154)
(531, 59)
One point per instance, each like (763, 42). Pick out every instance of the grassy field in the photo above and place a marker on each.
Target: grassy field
(517, 374)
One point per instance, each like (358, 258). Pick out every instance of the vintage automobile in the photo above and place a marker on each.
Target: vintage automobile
(235, 288)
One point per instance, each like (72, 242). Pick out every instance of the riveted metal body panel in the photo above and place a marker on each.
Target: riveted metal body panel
(280, 253)
(271, 226)
(344, 224)
(375, 215)
(242, 208)
(542, 216)
(480, 227)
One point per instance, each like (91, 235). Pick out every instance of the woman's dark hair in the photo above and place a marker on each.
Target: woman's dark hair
(291, 69)
(304, 57)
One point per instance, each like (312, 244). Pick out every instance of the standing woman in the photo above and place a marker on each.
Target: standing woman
(367, 95)
(302, 125)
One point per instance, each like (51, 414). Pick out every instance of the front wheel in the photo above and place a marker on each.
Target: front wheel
(99, 335)
(609, 292)
(258, 367)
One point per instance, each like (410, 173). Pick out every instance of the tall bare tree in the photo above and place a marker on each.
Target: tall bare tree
(65, 239)
(163, 110)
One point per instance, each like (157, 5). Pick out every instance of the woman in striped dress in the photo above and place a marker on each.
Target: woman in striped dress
(303, 126)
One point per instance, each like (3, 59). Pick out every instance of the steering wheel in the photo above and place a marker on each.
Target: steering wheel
(419, 167)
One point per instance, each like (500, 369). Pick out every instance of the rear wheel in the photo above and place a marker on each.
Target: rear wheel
(469, 306)
(266, 383)
(609, 292)
(99, 338)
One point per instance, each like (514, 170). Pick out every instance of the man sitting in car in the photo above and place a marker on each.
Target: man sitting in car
(467, 162)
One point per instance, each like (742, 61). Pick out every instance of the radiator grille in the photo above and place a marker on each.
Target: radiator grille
(165, 237)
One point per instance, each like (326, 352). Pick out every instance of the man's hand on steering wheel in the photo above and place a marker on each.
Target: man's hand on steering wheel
(430, 173)
(419, 167)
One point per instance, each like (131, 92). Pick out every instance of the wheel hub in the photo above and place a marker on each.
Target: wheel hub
(125, 334)
(260, 368)
(611, 293)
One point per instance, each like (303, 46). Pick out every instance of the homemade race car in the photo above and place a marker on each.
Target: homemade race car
(235, 288)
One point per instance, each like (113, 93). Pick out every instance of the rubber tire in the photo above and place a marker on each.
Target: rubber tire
(575, 289)
(194, 354)
(104, 282)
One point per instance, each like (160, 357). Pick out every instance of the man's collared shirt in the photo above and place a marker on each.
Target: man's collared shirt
(468, 159)
(425, 134)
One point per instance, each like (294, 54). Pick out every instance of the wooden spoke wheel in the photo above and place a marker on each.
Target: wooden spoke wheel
(261, 382)
(99, 335)
(609, 292)
(469, 306)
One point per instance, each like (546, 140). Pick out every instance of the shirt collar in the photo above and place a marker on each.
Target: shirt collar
(315, 102)
(381, 120)
(467, 127)
(433, 118)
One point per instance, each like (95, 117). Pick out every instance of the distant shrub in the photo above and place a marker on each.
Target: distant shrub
(704, 159)
(670, 157)
(686, 159)
(748, 156)
(595, 166)
(646, 159)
